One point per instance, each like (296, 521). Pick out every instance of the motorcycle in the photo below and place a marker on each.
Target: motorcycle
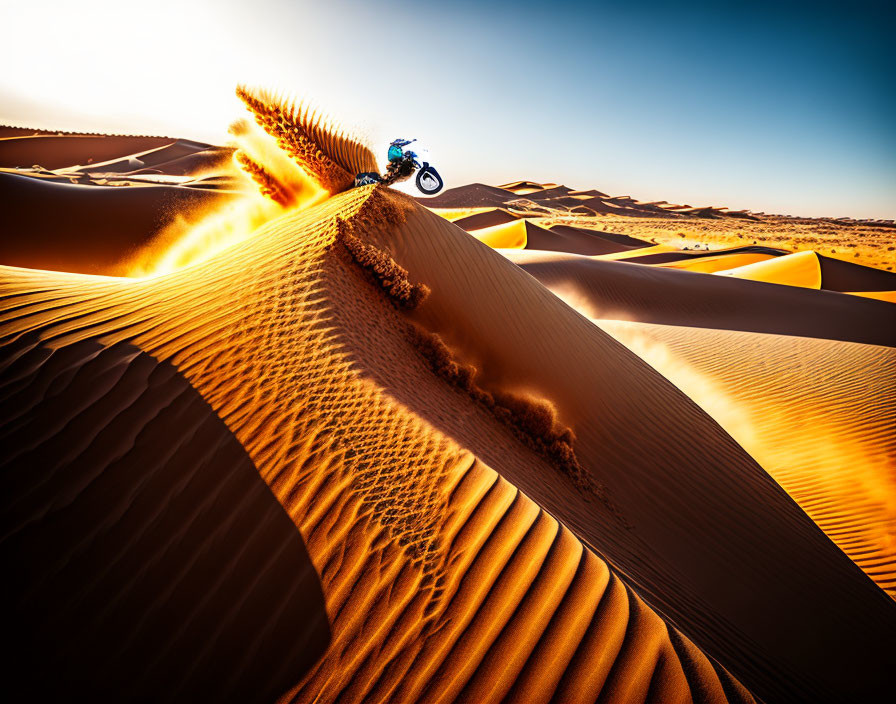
(402, 165)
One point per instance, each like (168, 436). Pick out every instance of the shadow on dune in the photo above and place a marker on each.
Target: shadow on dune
(88, 229)
(144, 558)
(633, 291)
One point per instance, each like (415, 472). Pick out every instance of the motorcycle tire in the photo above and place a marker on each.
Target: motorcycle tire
(428, 180)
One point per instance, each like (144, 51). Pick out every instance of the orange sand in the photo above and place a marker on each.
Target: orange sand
(240, 478)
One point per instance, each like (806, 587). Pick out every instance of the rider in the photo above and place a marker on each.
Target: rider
(395, 151)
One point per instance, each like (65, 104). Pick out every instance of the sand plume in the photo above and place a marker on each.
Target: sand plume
(534, 420)
(333, 158)
(199, 234)
(269, 186)
(391, 277)
(300, 188)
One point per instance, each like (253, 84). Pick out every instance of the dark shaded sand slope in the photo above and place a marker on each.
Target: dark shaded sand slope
(474, 195)
(625, 291)
(441, 580)
(58, 151)
(812, 270)
(818, 416)
(489, 218)
(666, 257)
(87, 228)
(143, 557)
(579, 240)
(838, 275)
(713, 541)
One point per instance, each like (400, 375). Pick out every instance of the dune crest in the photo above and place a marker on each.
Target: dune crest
(800, 269)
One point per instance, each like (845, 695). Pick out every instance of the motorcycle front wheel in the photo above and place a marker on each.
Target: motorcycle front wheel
(428, 180)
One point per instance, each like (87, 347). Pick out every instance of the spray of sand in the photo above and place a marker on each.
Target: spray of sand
(288, 158)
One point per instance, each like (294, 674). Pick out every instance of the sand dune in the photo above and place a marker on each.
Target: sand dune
(474, 195)
(441, 580)
(525, 234)
(799, 269)
(548, 191)
(486, 218)
(149, 158)
(624, 291)
(361, 456)
(193, 163)
(816, 414)
(638, 252)
(692, 256)
(580, 240)
(545, 197)
(713, 263)
(182, 157)
(56, 152)
(633, 436)
(525, 187)
(812, 270)
(89, 229)
(511, 235)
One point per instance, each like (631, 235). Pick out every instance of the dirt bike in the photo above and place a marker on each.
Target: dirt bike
(402, 165)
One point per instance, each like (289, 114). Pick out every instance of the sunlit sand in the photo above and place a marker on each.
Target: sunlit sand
(286, 439)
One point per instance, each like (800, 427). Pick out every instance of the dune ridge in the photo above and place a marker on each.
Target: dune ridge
(391, 277)
(629, 291)
(267, 183)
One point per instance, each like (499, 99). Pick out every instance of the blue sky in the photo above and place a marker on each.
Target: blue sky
(782, 107)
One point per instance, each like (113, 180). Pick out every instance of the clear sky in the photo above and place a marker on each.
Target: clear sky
(781, 107)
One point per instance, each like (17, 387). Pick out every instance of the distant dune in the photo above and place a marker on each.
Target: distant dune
(816, 414)
(110, 197)
(59, 151)
(488, 218)
(812, 270)
(624, 291)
